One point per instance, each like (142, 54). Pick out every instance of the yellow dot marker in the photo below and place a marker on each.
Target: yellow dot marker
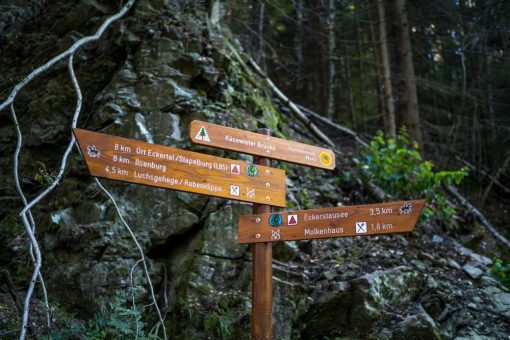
(325, 158)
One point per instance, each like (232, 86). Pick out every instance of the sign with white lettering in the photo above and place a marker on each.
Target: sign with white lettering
(251, 143)
(161, 166)
(359, 220)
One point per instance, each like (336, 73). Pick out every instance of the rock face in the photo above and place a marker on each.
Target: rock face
(147, 78)
(369, 303)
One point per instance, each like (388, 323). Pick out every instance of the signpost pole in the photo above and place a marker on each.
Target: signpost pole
(262, 273)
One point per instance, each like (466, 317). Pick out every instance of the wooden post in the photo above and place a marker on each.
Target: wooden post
(262, 273)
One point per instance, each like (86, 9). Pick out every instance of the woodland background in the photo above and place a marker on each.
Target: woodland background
(326, 72)
(440, 68)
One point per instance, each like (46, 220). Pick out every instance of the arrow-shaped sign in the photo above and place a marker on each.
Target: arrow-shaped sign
(135, 161)
(358, 220)
(222, 137)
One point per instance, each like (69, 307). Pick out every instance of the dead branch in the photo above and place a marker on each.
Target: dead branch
(493, 180)
(13, 291)
(142, 256)
(25, 214)
(479, 216)
(334, 125)
(485, 174)
(292, 106)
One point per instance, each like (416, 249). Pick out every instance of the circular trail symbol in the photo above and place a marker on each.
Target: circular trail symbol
(251, 170)
(325, 158)
(275, 220)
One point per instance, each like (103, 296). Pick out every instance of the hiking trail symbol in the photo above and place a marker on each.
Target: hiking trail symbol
(292, 220)
(234, 190)
(275, 220)
(202, 135)
(251, 170)
(361, 227)
(235, 169)
(93, 152)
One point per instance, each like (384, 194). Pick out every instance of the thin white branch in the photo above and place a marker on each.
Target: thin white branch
(35, 274)
(30, 226)
(41, 69)
(132, 285)
(56, 182)
(19, 144)
(79, 97)
(140, 250)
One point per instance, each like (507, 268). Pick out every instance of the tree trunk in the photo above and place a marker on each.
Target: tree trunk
(361, 68)
(331, 60)
(377, 62)
(389, 112)
(350, 96)
(407, 107)
(298, 48)
(261, 58)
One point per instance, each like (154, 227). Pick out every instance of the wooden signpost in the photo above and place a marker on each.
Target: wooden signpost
(156, 165)
(251, 143)
(138, 162)
(358, 220)
(264, 146)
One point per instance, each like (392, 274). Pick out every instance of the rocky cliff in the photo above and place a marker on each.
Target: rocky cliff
(147, 78)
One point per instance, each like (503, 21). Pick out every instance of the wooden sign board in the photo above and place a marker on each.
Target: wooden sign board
(251, 143)
(359, 220)
(135, 161)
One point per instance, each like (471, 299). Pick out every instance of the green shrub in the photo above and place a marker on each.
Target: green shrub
(398, 168)
(501, 271)
(116, 319)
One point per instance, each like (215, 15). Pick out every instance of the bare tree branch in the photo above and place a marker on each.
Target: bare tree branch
(41, 69)
(19, 144)
(292, 106)
(140, 250)
(488, 176)
(479, 216)
(25, 214)
(334, 125)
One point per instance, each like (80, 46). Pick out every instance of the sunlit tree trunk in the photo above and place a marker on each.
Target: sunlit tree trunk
(389, 109)
(407, 106)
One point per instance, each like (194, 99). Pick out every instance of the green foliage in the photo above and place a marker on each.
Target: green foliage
(217, 324)
(217, 312)
(116, 321)
(501, 271)
(305, 199)
(399, 169)
(43, 176)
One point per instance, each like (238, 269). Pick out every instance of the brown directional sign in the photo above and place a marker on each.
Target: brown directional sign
(358, 220)
(156, 165)
(251, 143)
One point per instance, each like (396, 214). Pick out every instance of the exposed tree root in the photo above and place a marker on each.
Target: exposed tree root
(25, 214)
(142, 256)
